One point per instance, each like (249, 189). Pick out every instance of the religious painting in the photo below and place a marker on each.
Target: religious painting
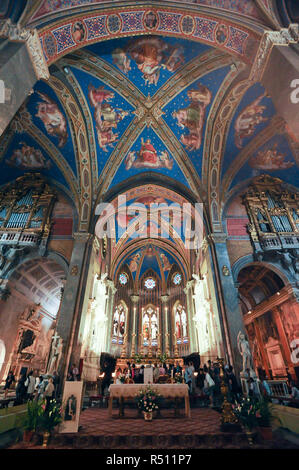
(72, 397)
(78, 31)
(134, 261)
(192, 117)
(180, 319)
(151, 54)
(221, 33)
(28, 158)
(147, 157)
(150, 20)
(106, 115)
(52, 118)
(248, 120)
(166, 266)
(270, 159)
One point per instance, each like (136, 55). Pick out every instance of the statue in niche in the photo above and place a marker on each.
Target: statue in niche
(56, 353)
(27, 339)
(245, 352)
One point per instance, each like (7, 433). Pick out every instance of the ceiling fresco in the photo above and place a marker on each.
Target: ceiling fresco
(245, 7)
(139, 92)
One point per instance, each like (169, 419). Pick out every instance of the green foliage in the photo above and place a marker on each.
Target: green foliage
(246, 412)
(34, 413)
(40, 417)
(51, 417)
(147, 399)
(264, 414)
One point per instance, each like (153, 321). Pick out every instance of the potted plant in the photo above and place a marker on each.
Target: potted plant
(264, 418)
(246, 412)
(147, 402)
(32, 419)
(50, 418)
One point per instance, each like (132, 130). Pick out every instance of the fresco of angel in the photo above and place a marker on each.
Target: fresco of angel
(53, 119)
(270, 159)
(248, 120)
(166, 266)
(192, 117)
(28, 158)
(151, 54)
(106, 116)
(148, 157)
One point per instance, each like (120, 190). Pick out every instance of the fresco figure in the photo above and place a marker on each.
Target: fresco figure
(151, 54)
(106, 116)
(193, 116)
(147, 157)
(53, 119)
(248, 120)
(28, 158)
(134, 262)
(270, 159)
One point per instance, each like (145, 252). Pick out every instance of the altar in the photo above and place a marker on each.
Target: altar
(124, 391)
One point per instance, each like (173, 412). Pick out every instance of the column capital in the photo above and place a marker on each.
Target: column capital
(218, 237)
(83, 237)
(164, 298)
(134, 298)
(284, 37)
(15, 32)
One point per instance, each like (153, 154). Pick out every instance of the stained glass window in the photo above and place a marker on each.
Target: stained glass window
(119, 324)
(150, 283)
(150, 326)
(177, 279)
(123, 278)
(180, 320)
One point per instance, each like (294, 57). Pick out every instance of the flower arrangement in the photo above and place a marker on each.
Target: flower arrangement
(147, 400)
(178, 378)
(137, 358)
(162, 358)
(247, 412)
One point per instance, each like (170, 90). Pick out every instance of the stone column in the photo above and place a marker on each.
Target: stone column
(111, 291)
(164, 300)
(190, 315)
(69, 317)
(22, 64)
(135, 300)
(229, 300)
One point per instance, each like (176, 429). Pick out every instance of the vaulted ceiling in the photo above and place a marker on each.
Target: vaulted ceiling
(151, 88)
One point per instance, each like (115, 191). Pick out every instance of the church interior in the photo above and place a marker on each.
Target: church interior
(149, 204)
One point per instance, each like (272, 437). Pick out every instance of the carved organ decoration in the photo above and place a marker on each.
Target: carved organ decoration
(274, 214)
(25, 210)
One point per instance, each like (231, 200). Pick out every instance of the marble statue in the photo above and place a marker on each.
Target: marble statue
(245, 352)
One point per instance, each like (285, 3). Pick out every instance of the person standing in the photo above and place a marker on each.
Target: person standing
(156, 373)
(209, 386)
(49, 392)
(21, 390)
(188, 377)
(30, 384)
(10, 379)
